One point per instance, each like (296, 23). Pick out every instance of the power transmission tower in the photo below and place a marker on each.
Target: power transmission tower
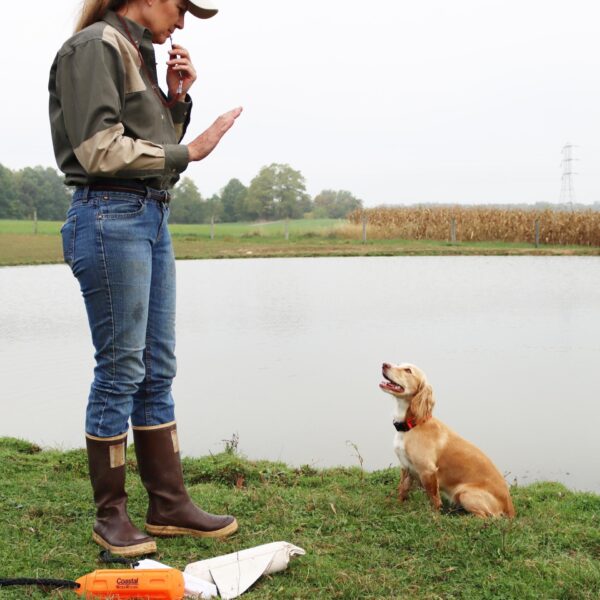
(567, 189)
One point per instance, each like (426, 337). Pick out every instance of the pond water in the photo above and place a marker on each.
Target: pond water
(286, 354)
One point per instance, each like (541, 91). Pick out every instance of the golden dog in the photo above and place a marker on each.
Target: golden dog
(435, 455)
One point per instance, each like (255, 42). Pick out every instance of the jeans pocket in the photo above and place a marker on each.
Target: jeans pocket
(123, 206)
(67, 232)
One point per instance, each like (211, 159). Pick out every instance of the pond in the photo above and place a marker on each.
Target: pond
(285, 355)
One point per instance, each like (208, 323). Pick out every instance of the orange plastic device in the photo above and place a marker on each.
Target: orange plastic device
(121, 584)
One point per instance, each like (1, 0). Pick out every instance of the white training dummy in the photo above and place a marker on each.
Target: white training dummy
(234, 573)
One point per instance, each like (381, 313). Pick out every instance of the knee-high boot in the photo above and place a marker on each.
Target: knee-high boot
(113, 530)
(171, 510)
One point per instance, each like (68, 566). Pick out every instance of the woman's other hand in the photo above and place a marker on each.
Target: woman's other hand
(179, 69)
(206, 142)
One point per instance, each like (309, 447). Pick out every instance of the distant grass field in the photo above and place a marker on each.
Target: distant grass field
(26, 227)
(272, 229)
(19, 245)
(267, 229)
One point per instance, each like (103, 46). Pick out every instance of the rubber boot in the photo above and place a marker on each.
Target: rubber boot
(113, 530)
(171, 510)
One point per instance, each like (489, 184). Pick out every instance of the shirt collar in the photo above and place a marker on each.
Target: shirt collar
(139, 33)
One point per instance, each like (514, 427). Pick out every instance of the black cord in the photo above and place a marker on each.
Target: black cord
(106, 557)
(55, 583)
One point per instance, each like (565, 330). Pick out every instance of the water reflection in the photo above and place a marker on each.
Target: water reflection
(287, 352)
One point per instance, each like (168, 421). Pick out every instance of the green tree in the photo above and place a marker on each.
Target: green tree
(232, 200)
(8, 194)
(335, 204)
(41, 189)
(278, 191)
(187, 205)
(214, 208)
(259, 201)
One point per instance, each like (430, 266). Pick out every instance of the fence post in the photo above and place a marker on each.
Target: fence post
(453, 231)
(364, 227)
(35, 224)
(537, 233)
(212, 227)
(287, 229)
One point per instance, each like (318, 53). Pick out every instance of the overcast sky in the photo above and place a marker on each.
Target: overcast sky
(465, 101)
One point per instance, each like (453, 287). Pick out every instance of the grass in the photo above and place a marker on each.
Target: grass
(266, 229)
(360, 542)
(272, 229)
(308, 237)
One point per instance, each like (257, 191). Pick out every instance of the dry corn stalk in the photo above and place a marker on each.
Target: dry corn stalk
(478, 224)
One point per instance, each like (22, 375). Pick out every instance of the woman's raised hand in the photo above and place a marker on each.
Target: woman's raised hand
(206, 142)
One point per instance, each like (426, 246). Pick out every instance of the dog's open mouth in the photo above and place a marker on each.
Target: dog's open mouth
(388, 384)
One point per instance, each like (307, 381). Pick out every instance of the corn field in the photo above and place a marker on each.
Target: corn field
(478, 224)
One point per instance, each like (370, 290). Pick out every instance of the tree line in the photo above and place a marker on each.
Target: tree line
(32, 189)
(277, 192)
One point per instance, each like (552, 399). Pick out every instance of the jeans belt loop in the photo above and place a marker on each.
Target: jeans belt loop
(86, 191)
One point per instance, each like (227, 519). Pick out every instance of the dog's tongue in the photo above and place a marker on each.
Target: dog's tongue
(391, 386)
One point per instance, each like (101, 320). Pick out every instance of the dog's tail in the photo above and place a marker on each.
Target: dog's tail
(484, 504)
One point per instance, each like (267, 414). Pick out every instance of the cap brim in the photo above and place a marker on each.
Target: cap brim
(203, 9)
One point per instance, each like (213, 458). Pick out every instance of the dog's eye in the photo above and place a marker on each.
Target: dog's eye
(408, 371)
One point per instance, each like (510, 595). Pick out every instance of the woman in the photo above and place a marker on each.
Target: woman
(117, 138)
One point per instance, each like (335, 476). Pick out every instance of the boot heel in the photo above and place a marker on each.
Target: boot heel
(135, 550)
(170, 531)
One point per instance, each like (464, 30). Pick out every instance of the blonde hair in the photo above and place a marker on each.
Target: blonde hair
(93, 11)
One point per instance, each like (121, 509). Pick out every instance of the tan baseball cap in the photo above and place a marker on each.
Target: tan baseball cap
(203, 9)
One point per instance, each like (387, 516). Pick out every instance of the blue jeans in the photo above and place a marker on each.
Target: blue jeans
(119, 248)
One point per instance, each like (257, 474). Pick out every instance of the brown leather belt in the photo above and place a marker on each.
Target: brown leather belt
(148, 192)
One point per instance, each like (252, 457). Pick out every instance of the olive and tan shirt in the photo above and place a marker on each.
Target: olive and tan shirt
(106, 119)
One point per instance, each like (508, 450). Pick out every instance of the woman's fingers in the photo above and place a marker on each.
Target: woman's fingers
(183, 68)
(180, 59)
(233, 114)
(177, 49)
(226, 120)
(178, 55)
(180, 67)
(181, 73)
(206, 142)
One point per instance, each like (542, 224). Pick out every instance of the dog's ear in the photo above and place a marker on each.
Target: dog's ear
(422, 402)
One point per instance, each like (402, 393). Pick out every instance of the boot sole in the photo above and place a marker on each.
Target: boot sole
(170, 530)
(136, 550)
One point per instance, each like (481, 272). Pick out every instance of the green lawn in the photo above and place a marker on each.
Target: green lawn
(360, 542)
(14, 226)
(267, 229)
(274, 229)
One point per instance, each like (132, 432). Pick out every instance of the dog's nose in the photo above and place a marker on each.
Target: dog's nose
(385, 366)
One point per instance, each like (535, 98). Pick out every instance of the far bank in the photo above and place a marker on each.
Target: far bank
(28, 243)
